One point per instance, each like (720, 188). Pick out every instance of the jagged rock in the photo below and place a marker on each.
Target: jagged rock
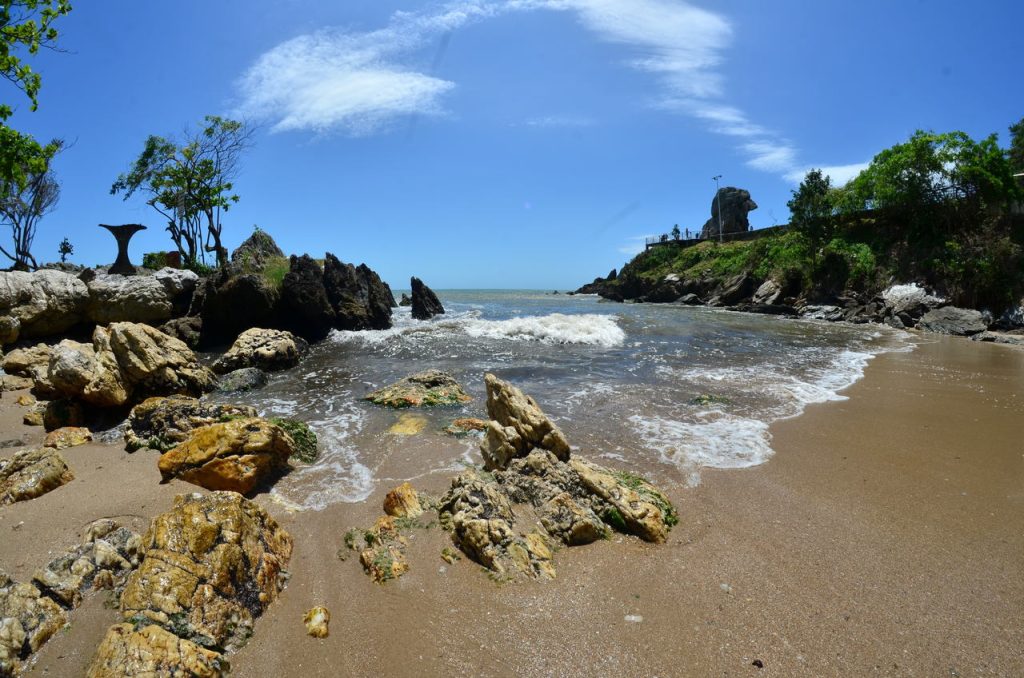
(425, 304)
(235, 305)
(245, 379)
(305, 309)
(155, 364)
(164, 423)
(961, 322)
(382, 554)
(31, 474)
(268, 350)
(822, 312)
(360, 299)
(316, 621)
(10, 329)
(734, 205)
(44, 303)
(188, 329)
(106, 557)
(424, 389)
(737, 289)
(403, 502)
(643, 509)
(70, 436)
(27, 620)
(689, 299)
(141, 298)
(127, 650)
(768, 293)
(517, 426)
(406, 300)
(254, 252)
(464, 426)
(237, 455)
(909, 302)
(31, 362)
(482, 524)
(213, 564)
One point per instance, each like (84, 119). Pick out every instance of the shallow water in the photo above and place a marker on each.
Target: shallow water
(624, 381)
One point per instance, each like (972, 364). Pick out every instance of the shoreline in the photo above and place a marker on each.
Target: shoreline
(881, 538)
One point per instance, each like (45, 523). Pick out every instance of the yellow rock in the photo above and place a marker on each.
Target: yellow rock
(408, 425)
(32, 473)
(152, 651)
(26, 400)
(316, 621)
(403, 502)
(69, 436)
(33, 418)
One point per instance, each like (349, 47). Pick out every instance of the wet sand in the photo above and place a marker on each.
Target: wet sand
(883, 538)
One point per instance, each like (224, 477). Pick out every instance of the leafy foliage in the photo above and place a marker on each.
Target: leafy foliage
(811, 208)
(26, 25)
(1016, 151)
(23, 202)
(65, 249)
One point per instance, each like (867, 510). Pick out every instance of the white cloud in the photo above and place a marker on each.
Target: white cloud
(634, 245)
(360, 82)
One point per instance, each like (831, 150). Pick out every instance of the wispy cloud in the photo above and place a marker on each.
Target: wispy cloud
(634, 244)
(357, 83)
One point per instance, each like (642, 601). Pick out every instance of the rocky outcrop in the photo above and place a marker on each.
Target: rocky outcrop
(254, 252)
(517, 426)
(235, 305)
(27, 620)
(245, 379)
(406, 300)
(304, 308)
(32, 473)
(598, 284)
(425, 304)
(149, 299)
(360, 299)
(126, 362)
(1015, 338)
(961, 322)
(42, 303)
(238, 455)
(268, 350)
(164, 423)
(213, 564)
(733, 204)
(424, 389)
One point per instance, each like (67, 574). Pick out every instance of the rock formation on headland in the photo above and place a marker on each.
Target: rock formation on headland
(213, 564)
(304, 308)
(360, 299)
(733, 204)
(425, 304)
(255, 252)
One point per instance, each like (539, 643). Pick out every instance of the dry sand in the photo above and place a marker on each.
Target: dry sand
(883, 538)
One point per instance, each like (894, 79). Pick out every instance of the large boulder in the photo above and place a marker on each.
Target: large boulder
(254, 252)
(961, 322)
(32, 362)
(44, 303)
(140, 298)
(517, 426)
(425, 304)
(188, 329)
(235, 305)
(737, 289)
(31, 474)
(360, 299)
(165, 423)
(213, 564)
(304, 308)
(733, 204)
(268, 350)
(238, 455)
(423, 389)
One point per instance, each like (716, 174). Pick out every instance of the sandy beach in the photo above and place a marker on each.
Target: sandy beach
(882, 538)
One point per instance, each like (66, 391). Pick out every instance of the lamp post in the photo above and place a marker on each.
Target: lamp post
(718, 200)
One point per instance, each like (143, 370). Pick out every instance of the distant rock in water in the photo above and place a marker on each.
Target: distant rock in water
(253, 253)
(734, 204)
(405, 301)
(304, 308)
(425, 304)
(425, 389)
(359, 298)
(598, 284)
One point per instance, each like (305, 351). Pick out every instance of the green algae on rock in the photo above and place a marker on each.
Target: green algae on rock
(431, 388)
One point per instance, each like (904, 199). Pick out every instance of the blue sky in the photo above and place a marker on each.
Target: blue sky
(513, 144)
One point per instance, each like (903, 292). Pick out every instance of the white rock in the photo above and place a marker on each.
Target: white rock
(44, 302)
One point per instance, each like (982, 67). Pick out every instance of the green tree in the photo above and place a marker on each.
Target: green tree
(675, 232)
(23, 203)
(811, 210)
(191, 184)
(65, 249)
(1017, 146)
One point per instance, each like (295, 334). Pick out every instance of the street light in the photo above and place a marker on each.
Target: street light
(718, 199)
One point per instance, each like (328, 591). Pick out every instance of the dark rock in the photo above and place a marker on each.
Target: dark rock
(425, 303)
(1012, 338)
(188, 329)
(252, 255)
(612, 275)
(304, 307)
(406, 301)
(359, 298)
(768, 293)
(612, 295)
(734, 203)
(961, 322)
(690, 299)
(234, 306)
(245, 379)
(737, 289)
(766, 309)
(667, 292)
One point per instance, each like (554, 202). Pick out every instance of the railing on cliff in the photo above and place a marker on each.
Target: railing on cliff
(667, 240)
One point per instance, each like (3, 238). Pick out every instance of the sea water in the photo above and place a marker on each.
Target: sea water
(664, 390)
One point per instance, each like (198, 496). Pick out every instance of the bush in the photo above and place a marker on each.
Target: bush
(274, 271)
(154, 260)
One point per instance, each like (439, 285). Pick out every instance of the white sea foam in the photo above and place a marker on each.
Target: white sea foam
(591, 329)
